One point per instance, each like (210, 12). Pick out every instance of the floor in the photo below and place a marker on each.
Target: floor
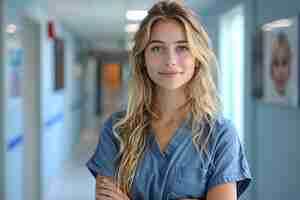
(75, 182)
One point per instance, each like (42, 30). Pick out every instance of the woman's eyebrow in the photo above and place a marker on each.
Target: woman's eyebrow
(162, 42)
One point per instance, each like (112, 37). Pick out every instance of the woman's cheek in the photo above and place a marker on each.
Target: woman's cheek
(155, 60)
(186, 62)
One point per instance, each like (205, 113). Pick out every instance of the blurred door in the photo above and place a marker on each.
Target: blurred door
(232, 65)
(31, 38)
(90, 93)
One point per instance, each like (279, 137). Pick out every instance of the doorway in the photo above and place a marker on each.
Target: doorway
(231, 53)
(31, 88)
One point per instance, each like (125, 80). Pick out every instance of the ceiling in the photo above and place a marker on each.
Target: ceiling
(102, 24)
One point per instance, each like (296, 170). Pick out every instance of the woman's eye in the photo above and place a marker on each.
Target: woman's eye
(155, 49)
(285, 62)
(275, 63)
(182, 48)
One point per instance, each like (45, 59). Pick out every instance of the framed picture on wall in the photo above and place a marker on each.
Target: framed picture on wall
(112, 76)
(15, 58)
(279, 62)
(257, 70)
(59, 64)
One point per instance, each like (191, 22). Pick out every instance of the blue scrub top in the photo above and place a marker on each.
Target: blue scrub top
(181, 171)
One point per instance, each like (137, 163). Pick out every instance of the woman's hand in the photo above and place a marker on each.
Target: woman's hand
(106, 189)
(189, 199)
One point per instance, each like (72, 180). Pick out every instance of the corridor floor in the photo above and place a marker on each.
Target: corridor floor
(75, 182)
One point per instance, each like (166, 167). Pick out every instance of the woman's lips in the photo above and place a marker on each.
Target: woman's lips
(169, 74)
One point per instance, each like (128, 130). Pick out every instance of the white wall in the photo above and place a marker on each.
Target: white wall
(2, 144)
(210, 19)
(31, 98)
(277, 127)
(272, 131)
(60, 110)
(90, 93)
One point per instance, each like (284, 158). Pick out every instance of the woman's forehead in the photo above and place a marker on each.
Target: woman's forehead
(168, 31)
(281, 53)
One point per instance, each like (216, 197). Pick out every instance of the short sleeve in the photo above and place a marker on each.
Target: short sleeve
(229, 163)
(104, 159)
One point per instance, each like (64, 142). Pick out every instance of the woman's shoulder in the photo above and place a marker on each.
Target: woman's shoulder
(219, 129)
(107, 127)
(223, 123)
(218, 124)
(108, 122)
(223, 131)
(114, 117)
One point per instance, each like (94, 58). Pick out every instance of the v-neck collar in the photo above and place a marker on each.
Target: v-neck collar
(175, 140)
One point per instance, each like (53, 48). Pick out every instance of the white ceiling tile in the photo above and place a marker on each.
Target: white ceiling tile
(95, 20)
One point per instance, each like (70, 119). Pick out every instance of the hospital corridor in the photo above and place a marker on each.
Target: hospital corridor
(65, 68)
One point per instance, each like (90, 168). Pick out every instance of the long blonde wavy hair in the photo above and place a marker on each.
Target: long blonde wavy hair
(132, 128)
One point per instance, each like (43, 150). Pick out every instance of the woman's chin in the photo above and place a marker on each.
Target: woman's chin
(280, 91)
(170, 87)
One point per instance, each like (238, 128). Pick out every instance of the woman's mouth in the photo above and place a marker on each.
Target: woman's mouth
(163, 73)
(169, 74)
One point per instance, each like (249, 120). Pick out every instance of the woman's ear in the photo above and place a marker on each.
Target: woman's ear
(197, 66)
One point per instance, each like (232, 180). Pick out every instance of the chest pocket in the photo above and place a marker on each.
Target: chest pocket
(190, 182)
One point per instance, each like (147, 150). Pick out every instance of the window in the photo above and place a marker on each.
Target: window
(232, 66)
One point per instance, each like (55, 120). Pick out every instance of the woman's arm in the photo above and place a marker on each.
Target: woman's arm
(107, 189)
(225, 191)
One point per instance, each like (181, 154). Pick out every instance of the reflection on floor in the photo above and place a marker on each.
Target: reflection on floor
(75, 182)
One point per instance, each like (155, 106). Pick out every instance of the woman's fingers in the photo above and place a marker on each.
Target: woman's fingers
(107, 189)
(111, 194)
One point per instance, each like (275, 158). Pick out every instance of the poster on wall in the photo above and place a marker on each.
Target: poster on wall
(257, 70)
(59, 64)
(14, 61)
(279, 62)
(112, 76)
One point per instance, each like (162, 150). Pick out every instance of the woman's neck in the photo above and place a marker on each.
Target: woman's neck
(169, 104)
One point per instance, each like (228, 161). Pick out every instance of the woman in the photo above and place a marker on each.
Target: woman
(280, 70)
(171, 142)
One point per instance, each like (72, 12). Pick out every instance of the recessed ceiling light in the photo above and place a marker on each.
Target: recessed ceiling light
(136, 15)
(131, 28)
(278, 24)
(11, 28)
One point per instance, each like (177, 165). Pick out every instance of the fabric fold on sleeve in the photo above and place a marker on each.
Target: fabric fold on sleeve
(104, 158)
(229, 163)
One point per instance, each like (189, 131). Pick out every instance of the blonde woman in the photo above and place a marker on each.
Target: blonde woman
(280, 70)
(171, 142)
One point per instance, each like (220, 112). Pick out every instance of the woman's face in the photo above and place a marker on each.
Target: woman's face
(169, 62)
(280, 71)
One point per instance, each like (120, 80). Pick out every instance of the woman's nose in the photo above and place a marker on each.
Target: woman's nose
(170, 57)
